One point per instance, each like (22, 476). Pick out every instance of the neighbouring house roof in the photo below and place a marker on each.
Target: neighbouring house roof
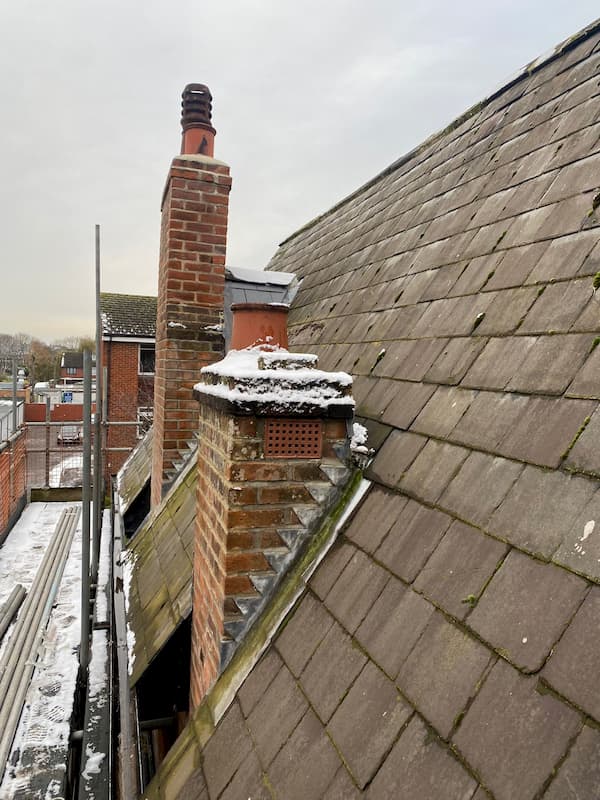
(71, 359)
(128, 315)
(447, 645)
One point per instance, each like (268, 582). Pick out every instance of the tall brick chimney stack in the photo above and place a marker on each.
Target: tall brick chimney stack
(191, 282)
(273, 454)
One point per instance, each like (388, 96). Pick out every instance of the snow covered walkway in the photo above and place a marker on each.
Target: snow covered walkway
(36, 766)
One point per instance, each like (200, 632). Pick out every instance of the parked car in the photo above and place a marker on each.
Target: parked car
(69, 435)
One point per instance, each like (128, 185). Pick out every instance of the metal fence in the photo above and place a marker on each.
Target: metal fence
(54, 454)
(7, 415)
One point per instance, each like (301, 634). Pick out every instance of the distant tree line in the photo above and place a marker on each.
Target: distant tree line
(40, 359)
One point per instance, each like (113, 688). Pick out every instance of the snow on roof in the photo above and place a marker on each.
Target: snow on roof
(246, 376)
(259, 276)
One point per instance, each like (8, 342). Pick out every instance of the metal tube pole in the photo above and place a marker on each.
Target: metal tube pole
(85, 501)
(98, 471)
(14, 395)
(47, 461)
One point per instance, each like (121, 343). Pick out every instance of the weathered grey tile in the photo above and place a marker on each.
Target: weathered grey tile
(419, 358)
(516, 265)
(356, 590)
(367, 722)
(506, 311)
(585, 454)
(395, 457)
(306, 764)
(457, 572)
(309, 624)
(551, 364)
(587, 381)
(441, 673)
(247, 782)
(545, 430)
(407, 401)
(375, 517)
(580, 549)
(498, 362)
(476, 274)
(455, 359)
(331, 670)
(258, 681)
(480, 486)
(558, 307)
(514, 736)
(419, 766)
(574, 667)
(342, 788)
(564, 257)
(393, 625)
(540, 509)
(433, 469)
(412, 538)
(443, 411)
(331, 568)
(525, 609)
(226, 749)
(579, 776)
(489, 418)
(275, 716)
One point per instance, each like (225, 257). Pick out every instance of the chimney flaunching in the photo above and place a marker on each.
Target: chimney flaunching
(272, 459)
(191, 283)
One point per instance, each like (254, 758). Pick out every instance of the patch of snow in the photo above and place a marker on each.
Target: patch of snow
(260, 276)
(588, 529)
(42, 738)
(128, 563)
(98, 669)
(240, 378)
(103, 569)
(93, 762)
(176, 325)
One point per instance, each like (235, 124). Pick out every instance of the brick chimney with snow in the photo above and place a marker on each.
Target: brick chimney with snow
(273, 459)
(191, 283)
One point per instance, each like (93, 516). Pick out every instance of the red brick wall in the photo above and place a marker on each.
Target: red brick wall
(243, 499)
(12, 478)
(190, 300)
(126, 391)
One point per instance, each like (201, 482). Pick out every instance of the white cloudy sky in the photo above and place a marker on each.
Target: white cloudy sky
(310, 100)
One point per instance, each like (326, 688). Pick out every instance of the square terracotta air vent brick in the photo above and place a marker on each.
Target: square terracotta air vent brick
(293, 438)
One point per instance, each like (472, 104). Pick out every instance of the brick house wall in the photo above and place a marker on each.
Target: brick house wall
(127, 391)
(13, 479)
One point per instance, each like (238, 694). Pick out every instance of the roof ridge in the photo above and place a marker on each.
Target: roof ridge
(525, 72)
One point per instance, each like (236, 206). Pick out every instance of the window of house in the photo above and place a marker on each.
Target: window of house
(146, 359)
(71, 370)
(145, 417)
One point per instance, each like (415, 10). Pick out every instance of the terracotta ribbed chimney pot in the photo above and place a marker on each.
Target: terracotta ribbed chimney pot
(262, 325)
(196, 114)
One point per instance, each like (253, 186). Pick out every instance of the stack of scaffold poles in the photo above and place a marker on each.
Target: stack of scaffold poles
(20, 654)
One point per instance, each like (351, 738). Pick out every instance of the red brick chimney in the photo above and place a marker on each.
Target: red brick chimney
(191, 282)
(273, 453)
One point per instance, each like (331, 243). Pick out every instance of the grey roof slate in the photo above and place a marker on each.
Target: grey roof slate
(467, 581)
(128, 315)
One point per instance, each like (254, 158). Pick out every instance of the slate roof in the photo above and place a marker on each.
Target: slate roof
(72, 359)
(128, 315)
(447, 646)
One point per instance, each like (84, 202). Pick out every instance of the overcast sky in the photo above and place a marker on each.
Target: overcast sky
(310, 100)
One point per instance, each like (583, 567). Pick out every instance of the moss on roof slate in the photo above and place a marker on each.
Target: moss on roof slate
(161, 590)
(128, 315)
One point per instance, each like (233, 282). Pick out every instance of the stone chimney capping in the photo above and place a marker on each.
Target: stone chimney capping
(273, 458)
(275, 382)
